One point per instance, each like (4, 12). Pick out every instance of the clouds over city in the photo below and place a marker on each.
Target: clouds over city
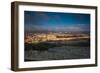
(53, 21)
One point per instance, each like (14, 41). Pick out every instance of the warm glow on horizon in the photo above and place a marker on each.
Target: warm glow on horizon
(53, 37)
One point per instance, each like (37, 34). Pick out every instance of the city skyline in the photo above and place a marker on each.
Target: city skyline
(55, 21)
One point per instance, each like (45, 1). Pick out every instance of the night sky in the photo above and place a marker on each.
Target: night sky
(56, 21)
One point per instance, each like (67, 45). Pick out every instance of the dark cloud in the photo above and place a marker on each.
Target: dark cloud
(40, 21)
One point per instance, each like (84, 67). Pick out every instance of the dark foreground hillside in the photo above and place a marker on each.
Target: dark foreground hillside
(57, 50)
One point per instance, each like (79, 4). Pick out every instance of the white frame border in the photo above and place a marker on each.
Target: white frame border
(33, 64)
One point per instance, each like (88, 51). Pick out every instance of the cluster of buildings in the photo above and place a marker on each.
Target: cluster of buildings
(43, 37)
